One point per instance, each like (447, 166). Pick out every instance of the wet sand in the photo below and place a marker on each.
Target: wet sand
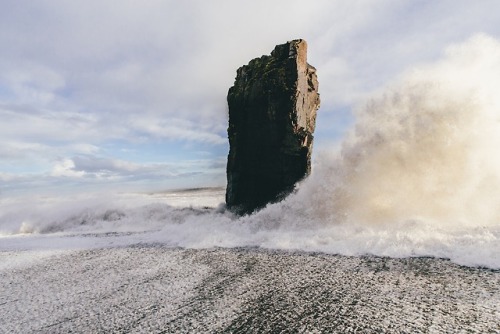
(155, 289)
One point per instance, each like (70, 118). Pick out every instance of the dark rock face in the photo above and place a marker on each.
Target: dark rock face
(272, 115)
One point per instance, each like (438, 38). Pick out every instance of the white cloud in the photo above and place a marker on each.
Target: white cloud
(66, 168)
(90, 173)
(178, 128)
(95, 167)
(77, 75)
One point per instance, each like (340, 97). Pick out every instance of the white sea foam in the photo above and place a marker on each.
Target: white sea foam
(419, 175)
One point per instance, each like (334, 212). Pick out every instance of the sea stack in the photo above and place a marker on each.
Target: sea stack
(272, 115)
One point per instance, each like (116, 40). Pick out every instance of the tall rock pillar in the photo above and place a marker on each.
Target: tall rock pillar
(272, 115)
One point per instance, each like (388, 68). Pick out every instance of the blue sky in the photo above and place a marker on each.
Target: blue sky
(131, 95)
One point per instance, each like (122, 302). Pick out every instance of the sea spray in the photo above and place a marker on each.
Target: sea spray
(427, 149)
(418, 175)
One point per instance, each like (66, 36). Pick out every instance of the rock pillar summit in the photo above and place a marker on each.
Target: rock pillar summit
(272, 115)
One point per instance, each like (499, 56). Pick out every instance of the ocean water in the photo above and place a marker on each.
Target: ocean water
(417, 176)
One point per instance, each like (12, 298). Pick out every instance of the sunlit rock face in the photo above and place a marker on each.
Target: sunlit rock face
(272, 115)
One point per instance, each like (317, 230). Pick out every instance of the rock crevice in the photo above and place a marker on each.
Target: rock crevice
(272, 115)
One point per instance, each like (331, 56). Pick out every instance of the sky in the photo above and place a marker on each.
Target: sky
(131, 95)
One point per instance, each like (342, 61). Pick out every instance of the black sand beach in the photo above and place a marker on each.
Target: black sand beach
(155, 289)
